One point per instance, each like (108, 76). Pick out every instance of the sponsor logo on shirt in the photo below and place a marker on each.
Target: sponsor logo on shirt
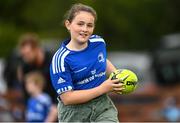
(58, 91)
(80, 70)
(91, 78)
(93, 71)
(64, 89)
(61, 80)
(101, 57)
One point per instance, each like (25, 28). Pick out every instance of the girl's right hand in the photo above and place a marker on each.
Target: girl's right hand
(112, 85)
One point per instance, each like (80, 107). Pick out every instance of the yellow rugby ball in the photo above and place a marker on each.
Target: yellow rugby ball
(127, 77)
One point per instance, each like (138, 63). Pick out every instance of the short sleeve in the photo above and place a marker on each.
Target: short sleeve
(97, 38)
(60, 76)
(61, 81)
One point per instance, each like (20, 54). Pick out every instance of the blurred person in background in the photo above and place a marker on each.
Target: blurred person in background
(170, 110)
(35, 58)
(14, 93)
(39, 103)
(10, 70)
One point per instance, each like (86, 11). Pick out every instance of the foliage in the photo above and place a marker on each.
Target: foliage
(125, 24)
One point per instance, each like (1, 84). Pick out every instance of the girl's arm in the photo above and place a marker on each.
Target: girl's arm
(82, 96)
(110, 68)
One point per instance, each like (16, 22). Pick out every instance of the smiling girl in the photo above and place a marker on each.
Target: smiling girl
(78, 71)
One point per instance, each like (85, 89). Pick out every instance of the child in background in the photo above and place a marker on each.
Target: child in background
(39, 103)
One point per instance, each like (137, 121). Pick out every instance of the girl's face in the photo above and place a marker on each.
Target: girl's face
(81, 27)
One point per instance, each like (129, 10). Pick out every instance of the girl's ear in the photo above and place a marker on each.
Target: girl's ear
(67, 24)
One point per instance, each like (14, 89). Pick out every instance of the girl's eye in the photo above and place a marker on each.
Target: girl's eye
(80, 24)
(90, 25)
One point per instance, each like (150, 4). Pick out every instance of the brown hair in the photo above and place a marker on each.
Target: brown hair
(37, 78)
(31, 39)
(76, 8)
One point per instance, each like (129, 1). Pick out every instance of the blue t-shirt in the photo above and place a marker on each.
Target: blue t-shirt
(79, 70)
(38, 108)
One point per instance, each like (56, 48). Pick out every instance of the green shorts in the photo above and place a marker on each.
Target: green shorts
(100, 109)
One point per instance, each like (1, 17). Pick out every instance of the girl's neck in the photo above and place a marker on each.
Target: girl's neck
(72, 45)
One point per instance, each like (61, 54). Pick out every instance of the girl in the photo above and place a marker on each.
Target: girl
(78, 71)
